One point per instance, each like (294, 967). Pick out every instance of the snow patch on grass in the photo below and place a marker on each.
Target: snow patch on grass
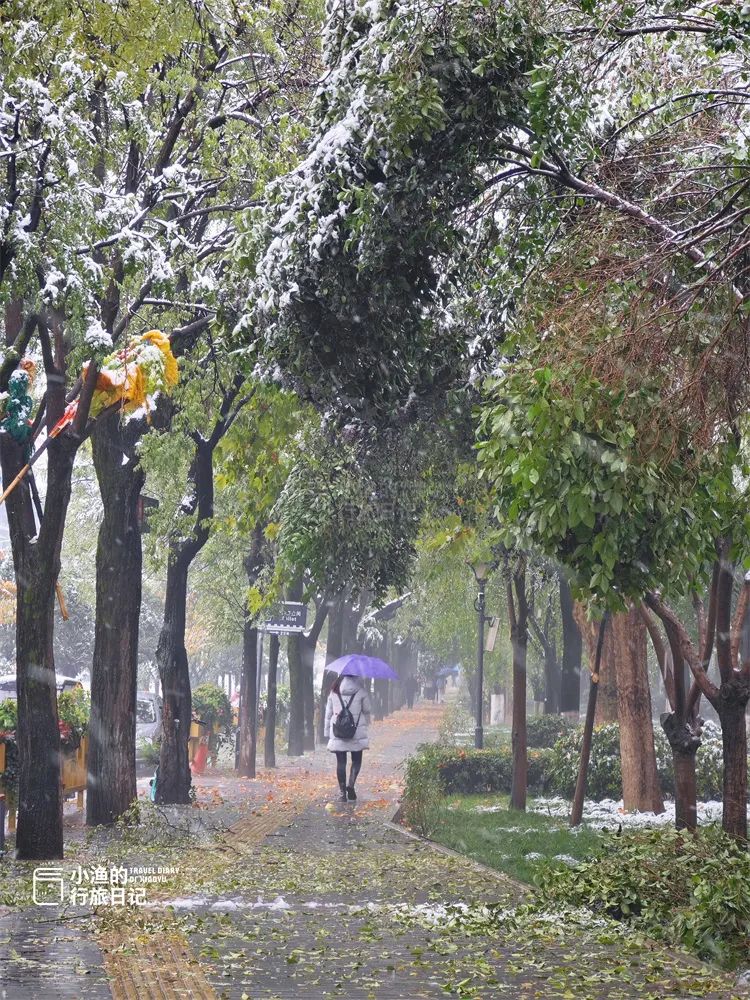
(609, 813)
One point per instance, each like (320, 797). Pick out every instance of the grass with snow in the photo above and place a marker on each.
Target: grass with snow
(485, 829)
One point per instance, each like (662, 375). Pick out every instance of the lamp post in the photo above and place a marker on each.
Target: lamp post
(481, 571)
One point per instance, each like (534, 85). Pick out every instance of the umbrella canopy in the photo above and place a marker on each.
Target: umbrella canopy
(359, 665)
(444, 671)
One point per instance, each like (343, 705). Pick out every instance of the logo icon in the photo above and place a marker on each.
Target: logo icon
(49, 886)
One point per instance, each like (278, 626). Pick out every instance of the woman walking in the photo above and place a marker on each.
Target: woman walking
(348, 712)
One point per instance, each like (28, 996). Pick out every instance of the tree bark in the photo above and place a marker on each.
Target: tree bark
(248, 724)
(734, 741)
(334, 649)
(518, 611)
(296, 744)
(641, 790)
(111, 785)
(248, 696)
(576, 812)
(570, 681)
(173, 783)
(39, 833)
(307, 649)
(606, 702)
(269, 750)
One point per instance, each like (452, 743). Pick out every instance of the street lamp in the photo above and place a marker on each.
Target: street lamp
(481, 571)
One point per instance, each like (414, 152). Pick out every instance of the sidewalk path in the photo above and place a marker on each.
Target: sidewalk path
(333, 903)
(296, 895)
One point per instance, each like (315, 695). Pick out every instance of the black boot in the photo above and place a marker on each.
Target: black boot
(351, 793)
(342, 796)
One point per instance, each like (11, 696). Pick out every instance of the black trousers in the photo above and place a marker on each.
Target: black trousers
(341, 766)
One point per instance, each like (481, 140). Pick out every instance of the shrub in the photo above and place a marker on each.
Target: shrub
(456, 724)
(423, 791)
(464, 771)
(690, 890)
(605, 772)
(545, 730)
(8, 716)
(211, 706)
(73, 712)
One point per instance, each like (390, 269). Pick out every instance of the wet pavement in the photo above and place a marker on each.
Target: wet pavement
(310, 898)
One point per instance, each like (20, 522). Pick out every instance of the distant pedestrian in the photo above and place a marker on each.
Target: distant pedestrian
(348, 715)
(411, 690)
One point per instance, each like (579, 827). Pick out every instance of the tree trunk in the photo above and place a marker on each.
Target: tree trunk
(551, 681)
(173, 783)
(334, 649)
(570, 681)
(519, 640)
(576, 812)
(249, 684)
(40, 805)
(111, 786)
(296, 745)
(269, 750)
(685, 790)
(606, 702)
(307, 650)
(734, 741)
(248, 723)
(39, 833)
(641, 790)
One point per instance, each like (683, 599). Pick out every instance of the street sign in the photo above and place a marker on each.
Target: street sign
(291, 616)
(492, 635)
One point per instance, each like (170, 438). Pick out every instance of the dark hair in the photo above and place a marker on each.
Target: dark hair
(336, 686)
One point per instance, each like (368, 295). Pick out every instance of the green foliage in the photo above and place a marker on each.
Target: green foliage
(350, 519)
(553, 770)
(685, 889)
(149, 751)
(423, 793)
(546, 730)
(211, 705)
(8, 715)
(74, 710)
(468, 771)
(571, 478)
(355, 234)
(605, 771)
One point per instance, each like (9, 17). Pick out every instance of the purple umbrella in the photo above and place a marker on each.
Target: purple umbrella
(359, 665)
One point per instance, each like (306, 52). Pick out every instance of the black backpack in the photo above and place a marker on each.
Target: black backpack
(345, 727)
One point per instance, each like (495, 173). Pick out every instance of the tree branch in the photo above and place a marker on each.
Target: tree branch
(685, 646)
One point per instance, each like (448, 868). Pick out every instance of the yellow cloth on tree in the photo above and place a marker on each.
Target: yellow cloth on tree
(134, 375)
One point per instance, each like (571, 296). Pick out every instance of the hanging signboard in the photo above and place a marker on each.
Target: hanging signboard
(291, 616)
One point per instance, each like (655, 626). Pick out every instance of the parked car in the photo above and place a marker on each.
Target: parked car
(147, 722)
(8, 686)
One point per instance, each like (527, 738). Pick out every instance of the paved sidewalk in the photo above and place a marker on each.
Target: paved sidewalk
(333, 903)
(296, 895)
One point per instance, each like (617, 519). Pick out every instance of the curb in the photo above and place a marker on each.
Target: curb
(394, 823)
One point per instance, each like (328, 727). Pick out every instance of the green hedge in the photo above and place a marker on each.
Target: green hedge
(605, 771)
(465, 771)
(546, 730)
(553, 771)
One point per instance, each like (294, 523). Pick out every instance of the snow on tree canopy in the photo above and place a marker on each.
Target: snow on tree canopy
(349, 292)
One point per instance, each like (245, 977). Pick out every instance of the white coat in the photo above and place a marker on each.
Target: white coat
(361, 708)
